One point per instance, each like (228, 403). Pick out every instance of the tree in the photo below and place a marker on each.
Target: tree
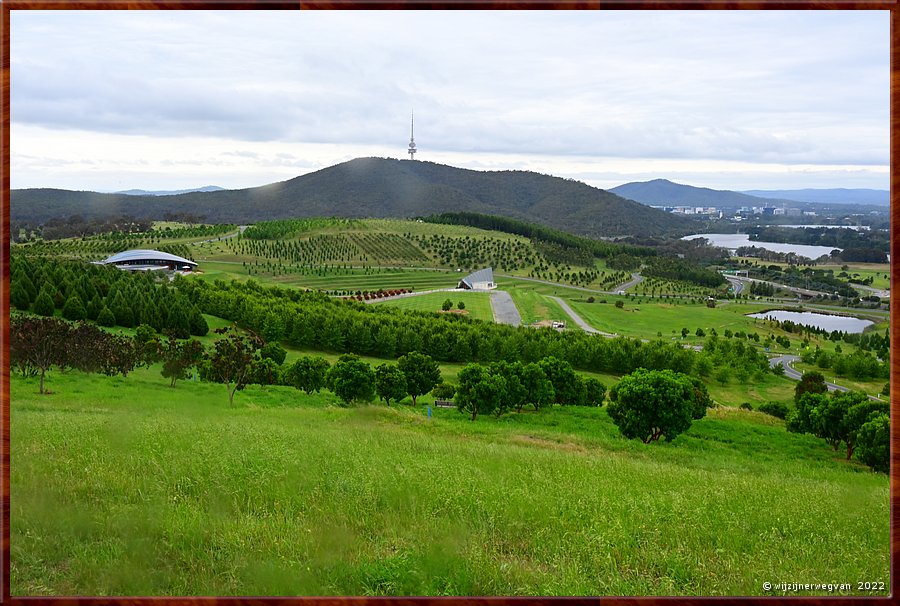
(515, 394)
(702, 399)
(479, 391)
(231, 359)
(800, 420)
(873, 442)
(43, 305)
(700, 332)
(562, 377)
(650, 404)
(860, 410)
(810, 382)
(104, 318)
(275, 352)
(351, 379)
(684, 332)
(73, 309)
(19, 297)
(827, 419)
(307, 373)
(538, 387)
(422, 373)
(591, 391)
(447, 305)
(179, 357)
(390, 384)
(461, 305)
(38, 342)
(443, 391)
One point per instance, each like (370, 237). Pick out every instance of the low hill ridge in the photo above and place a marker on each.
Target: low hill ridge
(379, 187)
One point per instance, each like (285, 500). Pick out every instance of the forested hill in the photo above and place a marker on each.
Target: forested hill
(376, 187)
(659, 192)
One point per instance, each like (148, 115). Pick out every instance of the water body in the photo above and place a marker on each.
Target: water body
(808, 318)
(734, 241)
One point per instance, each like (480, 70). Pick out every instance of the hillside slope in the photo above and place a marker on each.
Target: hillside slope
(377, 187)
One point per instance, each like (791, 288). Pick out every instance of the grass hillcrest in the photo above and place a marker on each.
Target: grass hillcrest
(378, 188)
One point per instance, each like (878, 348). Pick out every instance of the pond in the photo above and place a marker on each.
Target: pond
(824, 321)
(734, 241)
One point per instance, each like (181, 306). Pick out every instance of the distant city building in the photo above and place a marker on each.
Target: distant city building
(482, 279)
(769, 211)
(148, 260)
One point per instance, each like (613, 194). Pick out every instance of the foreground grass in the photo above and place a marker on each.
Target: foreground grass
(125, 486)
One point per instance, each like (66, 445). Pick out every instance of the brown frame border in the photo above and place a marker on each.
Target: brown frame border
(892, 5)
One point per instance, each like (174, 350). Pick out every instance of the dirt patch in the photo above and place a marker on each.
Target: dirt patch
(543, 324)
(527, 440)
(462, 312)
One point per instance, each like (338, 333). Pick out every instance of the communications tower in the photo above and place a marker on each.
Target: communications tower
(412, 140)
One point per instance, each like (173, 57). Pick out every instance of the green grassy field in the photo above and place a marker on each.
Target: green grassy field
(535, 307)
(124, 486)
(478, 304)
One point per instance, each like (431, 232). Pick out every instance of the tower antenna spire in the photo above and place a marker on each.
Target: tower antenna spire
(412, 140)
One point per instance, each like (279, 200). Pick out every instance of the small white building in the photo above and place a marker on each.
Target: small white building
(483, 279)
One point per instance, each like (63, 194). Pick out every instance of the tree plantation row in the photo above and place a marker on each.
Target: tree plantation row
(105, 295)
(850, 418)
(646, 404)
(311, 320)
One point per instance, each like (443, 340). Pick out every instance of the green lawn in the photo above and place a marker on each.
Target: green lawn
(124, 486)
(478, 304)
(536, 307)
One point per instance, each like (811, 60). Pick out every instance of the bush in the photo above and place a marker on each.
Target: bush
(620, 304)
(649, 404)
(443, 391)
(746, 406)
(775, 409)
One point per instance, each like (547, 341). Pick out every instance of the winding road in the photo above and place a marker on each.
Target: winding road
(793, 373)
(579, 320)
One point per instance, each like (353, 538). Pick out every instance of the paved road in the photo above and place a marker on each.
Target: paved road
(736, 284)
(884, 294)
(634, 281)
(579, 320)
(505, 310)
(802, 291)
(793, 373)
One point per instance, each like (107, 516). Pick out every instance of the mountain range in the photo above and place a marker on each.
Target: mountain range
(174, 192)
(662, 192)
(880, 197)
(378, 187)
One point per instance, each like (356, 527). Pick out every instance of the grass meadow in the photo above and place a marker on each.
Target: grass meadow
(478, 304)
(124, 486)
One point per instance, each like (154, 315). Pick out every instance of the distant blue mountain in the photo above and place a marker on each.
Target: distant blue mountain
(827, 196)
(662, 192)
(143, 192)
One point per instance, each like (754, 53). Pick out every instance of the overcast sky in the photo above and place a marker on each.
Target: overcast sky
(112, 100)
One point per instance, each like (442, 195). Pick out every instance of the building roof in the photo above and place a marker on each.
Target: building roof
(134, 256)
(482, 275)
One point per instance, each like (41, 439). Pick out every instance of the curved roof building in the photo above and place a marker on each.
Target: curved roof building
(148, 260)
(481, 279)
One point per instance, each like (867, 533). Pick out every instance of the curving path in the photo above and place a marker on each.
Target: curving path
(793, 373)
(579, 320)
(634, 281)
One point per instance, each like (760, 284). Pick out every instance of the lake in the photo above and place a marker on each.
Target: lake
(824, 321)
(734, 241)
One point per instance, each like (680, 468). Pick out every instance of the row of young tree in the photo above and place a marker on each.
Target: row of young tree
(105, 295)
(311, 320)
(850, 418)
